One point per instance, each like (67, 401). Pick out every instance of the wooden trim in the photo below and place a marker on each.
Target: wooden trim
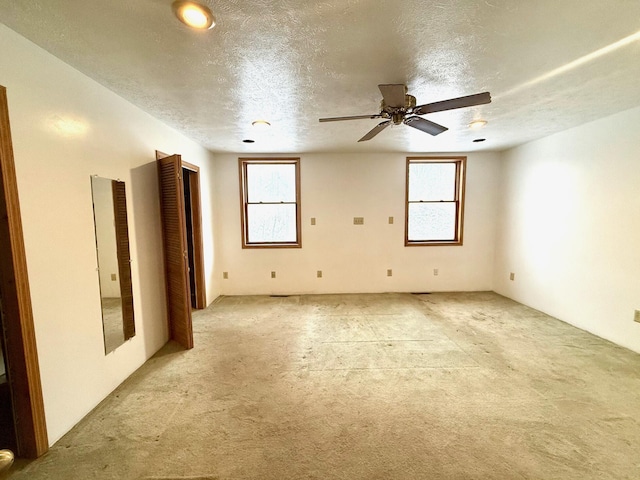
(243, 203)
(196, 225)
(438, 159)
(406, 203)
(190, 166)
(242, 168)
(160, 155)
(460, 162)
(462, 178)
(22, 355)
(123, 255)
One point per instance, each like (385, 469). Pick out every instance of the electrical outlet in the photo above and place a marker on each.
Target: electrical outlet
(512, 276)
(636, 316)
(390, 220)
(225, 275)
(435, 272)
(389, 273)
(358, 220)
(113, 277)
(313, 220)
(319, 274)
(273, 274)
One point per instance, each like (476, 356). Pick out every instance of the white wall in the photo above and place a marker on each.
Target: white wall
(66, 127)
(334, 189)
(570, 227)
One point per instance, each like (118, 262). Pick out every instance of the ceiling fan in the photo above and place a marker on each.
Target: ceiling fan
(399, 107)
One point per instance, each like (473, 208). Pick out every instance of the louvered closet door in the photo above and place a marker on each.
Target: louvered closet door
(175, 250)
(124, 257)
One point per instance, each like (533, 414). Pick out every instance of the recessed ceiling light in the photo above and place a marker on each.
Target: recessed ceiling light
(477, 140)
(261, 124)
(194, 15)
(248, 140)
(477, 124)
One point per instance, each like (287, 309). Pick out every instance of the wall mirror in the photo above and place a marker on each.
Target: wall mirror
(114, 261)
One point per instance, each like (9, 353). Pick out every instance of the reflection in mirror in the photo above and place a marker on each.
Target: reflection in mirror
(114, 264)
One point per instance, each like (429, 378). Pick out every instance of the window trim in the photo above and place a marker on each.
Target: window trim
(242, 165)
(461, 169)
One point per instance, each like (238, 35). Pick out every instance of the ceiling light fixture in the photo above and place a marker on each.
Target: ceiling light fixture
(261, 124)
(194, 15)
(477, 124)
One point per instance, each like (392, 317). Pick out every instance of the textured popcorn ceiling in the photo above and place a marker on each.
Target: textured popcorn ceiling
(292, 62)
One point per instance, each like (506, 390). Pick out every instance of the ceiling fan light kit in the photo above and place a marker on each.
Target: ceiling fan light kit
(398, 107)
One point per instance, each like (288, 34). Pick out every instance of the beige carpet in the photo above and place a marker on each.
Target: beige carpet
(389, 386)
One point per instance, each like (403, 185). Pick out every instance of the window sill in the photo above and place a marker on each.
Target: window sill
(272, 245)
(435, 243)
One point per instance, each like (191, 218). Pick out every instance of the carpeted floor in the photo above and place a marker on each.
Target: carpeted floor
(384, 386)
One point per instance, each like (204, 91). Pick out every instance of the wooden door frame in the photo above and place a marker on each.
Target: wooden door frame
(196, 224)
(22, 355)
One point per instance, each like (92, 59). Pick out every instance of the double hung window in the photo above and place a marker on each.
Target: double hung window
(434, 200)
(270, 196)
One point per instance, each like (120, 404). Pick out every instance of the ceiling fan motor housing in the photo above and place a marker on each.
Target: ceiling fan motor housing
(397, 114)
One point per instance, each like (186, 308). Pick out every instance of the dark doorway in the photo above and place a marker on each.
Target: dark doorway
(188, 215)
(195, 249)
(7, 424)
(179, 186)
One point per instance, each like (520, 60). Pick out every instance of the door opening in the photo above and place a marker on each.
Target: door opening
(179, 186)
(188, 216)
(193, 221)
(7, 423)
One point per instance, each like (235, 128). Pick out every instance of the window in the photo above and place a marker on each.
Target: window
(435, 200)
(270, 196)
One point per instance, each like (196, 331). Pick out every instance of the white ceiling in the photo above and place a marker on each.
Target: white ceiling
(293, 61)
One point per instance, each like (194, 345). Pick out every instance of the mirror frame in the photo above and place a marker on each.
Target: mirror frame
(123, 256)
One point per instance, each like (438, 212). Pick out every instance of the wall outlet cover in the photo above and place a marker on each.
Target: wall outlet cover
(512, 276)
(319, 274)
(225, 275)
(636, 316)
(358, 220)
(389, 273)
(273, 274)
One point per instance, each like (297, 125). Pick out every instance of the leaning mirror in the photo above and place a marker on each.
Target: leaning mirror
(114, 264)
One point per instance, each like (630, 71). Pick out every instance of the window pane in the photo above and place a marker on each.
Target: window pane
(432, 181)
(271, 183)
(432, 221)
(272, 223)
